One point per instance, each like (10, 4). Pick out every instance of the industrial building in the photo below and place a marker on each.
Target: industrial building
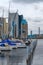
(17, 26)
(13, 24)
(24, 29)
(6, 30)
(3, 29)
(20, 20)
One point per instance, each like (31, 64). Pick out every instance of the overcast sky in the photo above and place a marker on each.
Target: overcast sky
(27, 1)
(31, 9)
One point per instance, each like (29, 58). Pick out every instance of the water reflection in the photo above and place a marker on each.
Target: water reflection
(10, 60)
(3, 60)
(14, 57)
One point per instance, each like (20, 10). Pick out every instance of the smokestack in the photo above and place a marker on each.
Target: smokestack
(31, 32)
(39, 30)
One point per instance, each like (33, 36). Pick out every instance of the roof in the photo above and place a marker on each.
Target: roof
(23, 21)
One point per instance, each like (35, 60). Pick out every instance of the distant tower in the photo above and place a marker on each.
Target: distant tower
(31, 32)
(39, 30)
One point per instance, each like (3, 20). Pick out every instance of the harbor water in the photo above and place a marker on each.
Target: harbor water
(10, 60)
(15, 57)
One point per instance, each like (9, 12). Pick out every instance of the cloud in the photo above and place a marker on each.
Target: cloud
(27, 1)
(38, 20)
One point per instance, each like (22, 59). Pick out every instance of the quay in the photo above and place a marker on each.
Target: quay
(38, 55)
(30, 57)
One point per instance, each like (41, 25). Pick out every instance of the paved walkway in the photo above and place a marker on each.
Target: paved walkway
(38, 56)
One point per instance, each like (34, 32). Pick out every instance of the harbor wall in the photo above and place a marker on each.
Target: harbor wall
(30, 58)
